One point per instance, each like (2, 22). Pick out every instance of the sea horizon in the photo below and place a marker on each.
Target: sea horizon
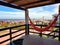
(11, 19)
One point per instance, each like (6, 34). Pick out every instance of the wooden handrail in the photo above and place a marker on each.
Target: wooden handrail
(10, 33)
(23, 32)
(10, 27)
(12, 38)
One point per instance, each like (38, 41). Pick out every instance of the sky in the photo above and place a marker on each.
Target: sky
(34, 13)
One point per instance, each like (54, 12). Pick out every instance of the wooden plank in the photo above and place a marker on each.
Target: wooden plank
(10, 5)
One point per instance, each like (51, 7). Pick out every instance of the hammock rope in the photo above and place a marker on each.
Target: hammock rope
(46, 28)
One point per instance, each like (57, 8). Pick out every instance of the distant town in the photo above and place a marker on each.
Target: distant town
(8, 23)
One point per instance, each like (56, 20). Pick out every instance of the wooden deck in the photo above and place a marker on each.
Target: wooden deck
(36, 40)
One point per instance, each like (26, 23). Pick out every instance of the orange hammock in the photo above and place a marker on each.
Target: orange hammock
(46, 28)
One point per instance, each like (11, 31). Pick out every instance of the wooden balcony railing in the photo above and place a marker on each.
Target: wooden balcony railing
(49, 34)
(23, 29)
(10, 33)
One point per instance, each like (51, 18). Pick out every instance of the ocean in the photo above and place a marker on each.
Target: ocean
(11, 19)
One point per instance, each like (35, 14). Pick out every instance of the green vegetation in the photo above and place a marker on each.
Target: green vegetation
(5, 25)
(19, 28)
(2, 25)
(56, 38)
(44, 36)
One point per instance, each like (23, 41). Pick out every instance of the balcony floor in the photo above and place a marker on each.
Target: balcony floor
(37, 40)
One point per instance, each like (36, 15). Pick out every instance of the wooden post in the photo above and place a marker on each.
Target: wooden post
(10, 37)
(59, 22)
(26, 22)
(40, 34)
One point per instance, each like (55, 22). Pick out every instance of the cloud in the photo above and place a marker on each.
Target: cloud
(11, 15)
(39, 12)
(45, 12)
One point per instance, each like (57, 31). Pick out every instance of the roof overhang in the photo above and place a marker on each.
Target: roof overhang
(26, 4)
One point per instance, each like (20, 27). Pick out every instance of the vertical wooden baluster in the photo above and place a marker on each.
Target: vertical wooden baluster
(10, 37)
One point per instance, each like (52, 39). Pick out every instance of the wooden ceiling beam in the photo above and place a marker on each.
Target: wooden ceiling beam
(13, 1)
(49, 3)
(33, 3)
(39, 5)
(10, 5)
